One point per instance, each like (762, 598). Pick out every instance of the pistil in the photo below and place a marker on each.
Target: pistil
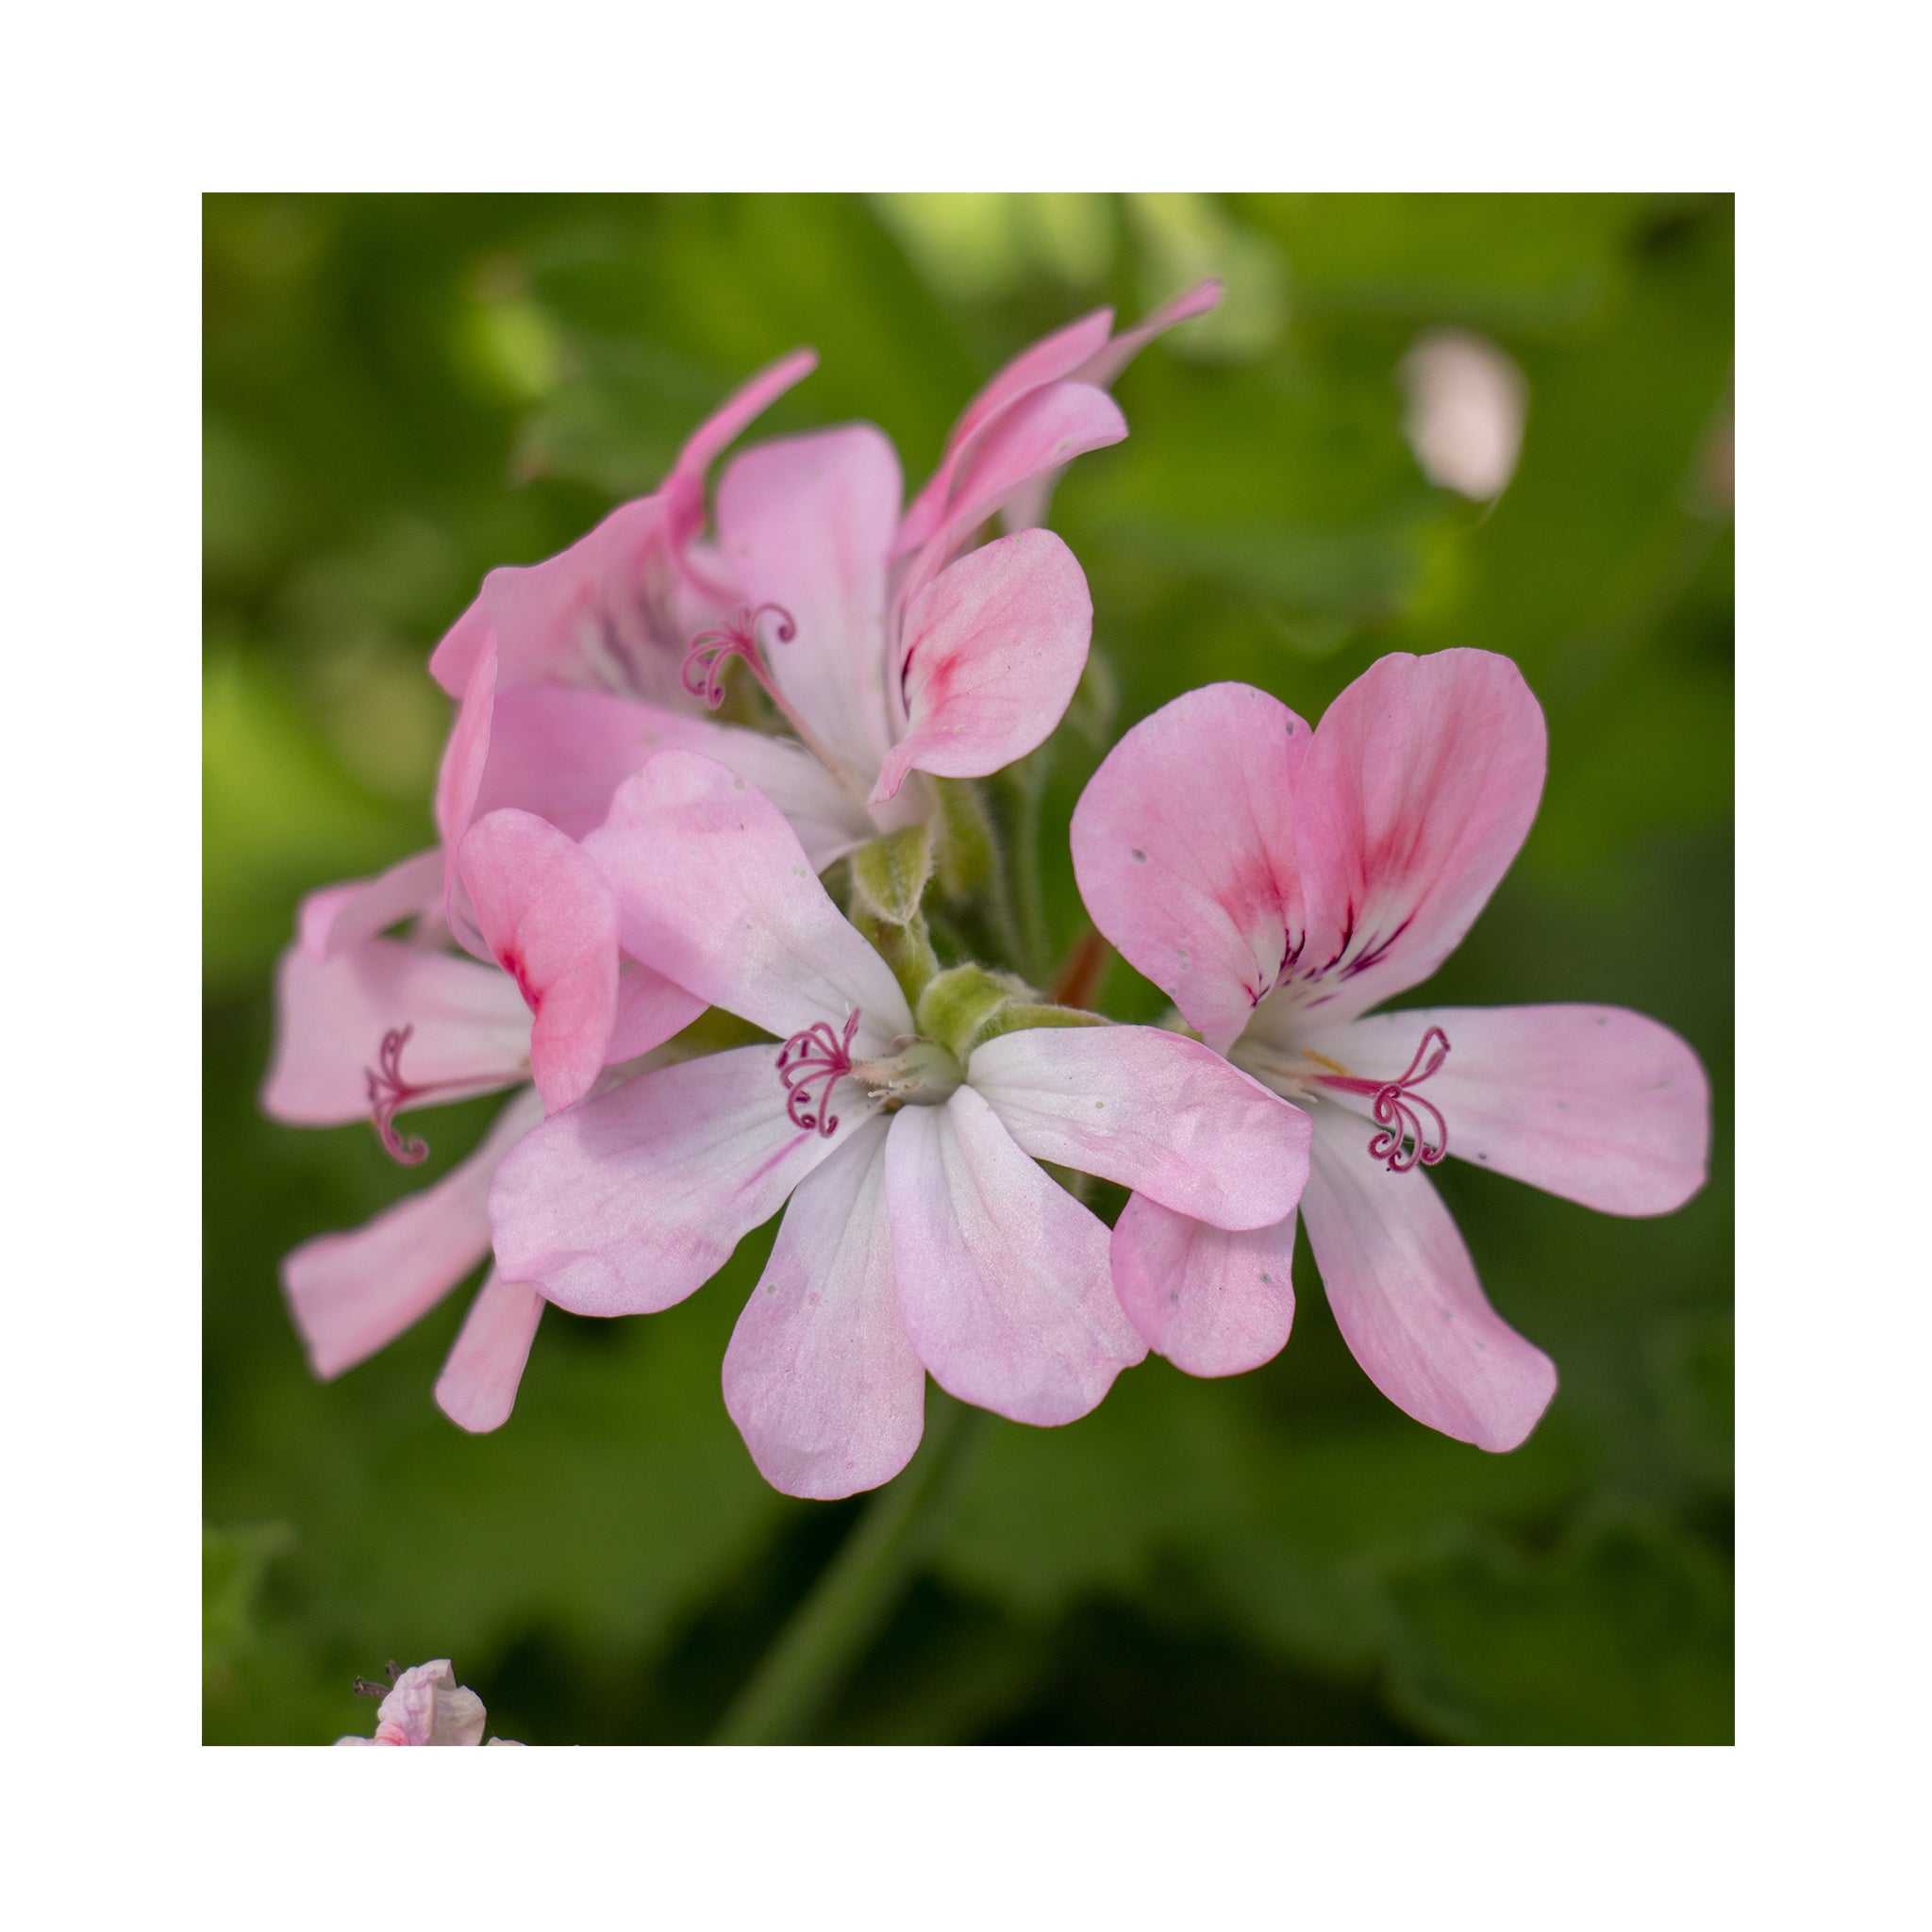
(1397, 1109)
(711, 651)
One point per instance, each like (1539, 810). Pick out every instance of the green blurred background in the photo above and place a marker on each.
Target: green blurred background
(402, 391)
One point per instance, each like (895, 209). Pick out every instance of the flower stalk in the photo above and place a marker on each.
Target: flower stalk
(833, 1628)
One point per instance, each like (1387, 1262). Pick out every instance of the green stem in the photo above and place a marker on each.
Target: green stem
(1031, 895)
(837, 1624)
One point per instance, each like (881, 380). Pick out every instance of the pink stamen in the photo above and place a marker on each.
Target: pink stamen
(815, 1058)
(1398, 1110)
(703, 670)
(389, 1092)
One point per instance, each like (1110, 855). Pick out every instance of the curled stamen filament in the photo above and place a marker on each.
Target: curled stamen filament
(703, 670)
(1397, 1109)
(811, 1063)
(389, 1092)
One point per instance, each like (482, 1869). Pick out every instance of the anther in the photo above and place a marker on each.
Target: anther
(708, 654)
(389, 1092)
(811, 1063)
(1397, 1109)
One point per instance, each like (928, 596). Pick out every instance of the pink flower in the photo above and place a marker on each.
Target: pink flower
(1276, 883)
(427, 1705)
(921, 1234)
(375, 1027)
(883, 653)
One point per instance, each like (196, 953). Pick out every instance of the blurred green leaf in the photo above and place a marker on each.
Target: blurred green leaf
(1620, 1636)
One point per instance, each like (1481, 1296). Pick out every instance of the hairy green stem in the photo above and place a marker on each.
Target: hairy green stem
(832, 1629)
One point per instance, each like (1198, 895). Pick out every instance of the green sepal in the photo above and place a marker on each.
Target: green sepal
(965, 852)
(957, 1006)
(890, 875)
(906, 948)
(1021, 1014)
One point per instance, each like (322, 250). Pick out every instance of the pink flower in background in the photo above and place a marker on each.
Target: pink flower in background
(372, 1027)
(921, 1234)
(427, 1705)
(1276, 883)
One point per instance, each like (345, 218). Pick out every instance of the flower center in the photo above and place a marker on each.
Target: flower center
(1397, 1108)
(709, 652)
(815, 1059)
(811, 1063)
(389, 1092)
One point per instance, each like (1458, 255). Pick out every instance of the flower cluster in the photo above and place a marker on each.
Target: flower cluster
(669, 737)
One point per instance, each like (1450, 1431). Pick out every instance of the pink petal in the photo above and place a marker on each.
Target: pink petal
(714, 890)
(992, 650)
(478, 1388)
(737, 412)
(1406, 1297)
(1104, 365)
(580, 617)
(459, 783)
(608, 611)
(807, 523)
(1418, 789)
(550, 924)
(1184, 850)
(1049, 360)
(353, 1293)
(338, 917)
(470, 1030)
(630, 1202)
(650, 1009)
(1212, 1303)
(1027, 506)
(561, 754)
(820, 1378)
(1152, 1110)
(1043, 431)
(1596, 1104)
(1003, 1276)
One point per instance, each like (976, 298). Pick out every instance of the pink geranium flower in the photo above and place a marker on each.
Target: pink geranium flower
(427, 1705)
(375, 1027)
(883, 649)
(920, 1235)
(1276, 883)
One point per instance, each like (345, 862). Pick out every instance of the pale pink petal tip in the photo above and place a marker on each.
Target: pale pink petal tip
(478, 1388)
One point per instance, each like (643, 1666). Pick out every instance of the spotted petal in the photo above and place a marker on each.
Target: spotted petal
(1213, 1303)
(1184, 850)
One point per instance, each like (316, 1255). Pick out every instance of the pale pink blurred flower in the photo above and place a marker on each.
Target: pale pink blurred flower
(427, 1705)
(921, 1236)
(1276, 883)
(1466, 406)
